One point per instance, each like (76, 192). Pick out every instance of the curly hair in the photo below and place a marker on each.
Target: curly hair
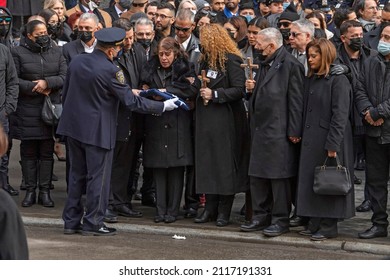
(216, 44)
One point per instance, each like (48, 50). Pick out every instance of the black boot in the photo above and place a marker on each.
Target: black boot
(224, 208)
(45, 176)
(29, 171)
(22, 184)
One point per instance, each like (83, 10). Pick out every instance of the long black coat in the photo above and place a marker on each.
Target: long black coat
(168, 141)
(327, 127)
(25, 7)
(222, 134)
(275, 113)
(33, 64)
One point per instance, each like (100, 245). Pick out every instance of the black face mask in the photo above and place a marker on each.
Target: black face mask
(285, 33)
(74, 34)
(42, 41)
(85, 36)
(258, 54)
(355, 44)
(4, 30)
(53, 30)
(145, 42)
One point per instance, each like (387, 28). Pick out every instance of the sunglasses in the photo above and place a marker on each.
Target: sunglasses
(6, 19)
(206, 12)
(294, 34)
(184, 29)
(284, 24)
(139, 4)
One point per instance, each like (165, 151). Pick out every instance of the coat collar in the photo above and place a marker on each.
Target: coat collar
(276, 64)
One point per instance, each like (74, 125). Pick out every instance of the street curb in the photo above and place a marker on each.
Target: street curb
(254, 237)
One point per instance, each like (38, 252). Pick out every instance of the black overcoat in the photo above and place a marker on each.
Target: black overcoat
(25, 7)
(275, 113)
(222, 134)
(168, 141)
(327, 127)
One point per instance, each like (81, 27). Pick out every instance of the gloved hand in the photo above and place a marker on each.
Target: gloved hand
(338, 69)
(170, 105)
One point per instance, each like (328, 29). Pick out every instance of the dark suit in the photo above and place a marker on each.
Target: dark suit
(112, 12)
(275, 113)
(91, 94)
(71, 49)
(371, 39)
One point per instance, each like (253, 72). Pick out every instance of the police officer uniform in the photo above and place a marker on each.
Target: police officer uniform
(91, 94)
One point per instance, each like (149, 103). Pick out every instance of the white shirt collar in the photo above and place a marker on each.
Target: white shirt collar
(88, 49)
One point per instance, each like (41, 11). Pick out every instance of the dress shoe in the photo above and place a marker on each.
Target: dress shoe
(138, 196)
(126, 211)
(275, 230)
(169, 219)
(356, 180)
(103, 231)
(9, 189)
(319, 237)
(255, 225)
(78, 229)
(205, 217)
(191, 213)
(221, 223)
(158, 219)
(364, 207)
(110, 216)
(149, 200)
(306, 232)
(373, 232)
(297, 221)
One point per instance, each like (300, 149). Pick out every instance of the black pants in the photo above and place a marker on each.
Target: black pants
(325, 226)
(271, 200)
(37, 149)
(377, 176)
(218, 204)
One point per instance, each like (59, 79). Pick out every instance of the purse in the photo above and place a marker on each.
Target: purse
(51, 112)
(332, 180)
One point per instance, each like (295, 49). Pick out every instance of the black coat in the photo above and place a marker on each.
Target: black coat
(71, 49)
(275, 113)
(9, 84)
(168, 141)
(222, 133)
(24, 7)
(33, 64)
(112, 12)
(371, 38)
(327, 127)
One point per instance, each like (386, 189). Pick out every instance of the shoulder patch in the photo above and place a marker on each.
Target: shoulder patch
(120, 77)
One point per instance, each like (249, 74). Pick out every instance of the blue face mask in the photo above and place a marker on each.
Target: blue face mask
(328, 18)
(248, 18)
(285, 5)
(384, 48)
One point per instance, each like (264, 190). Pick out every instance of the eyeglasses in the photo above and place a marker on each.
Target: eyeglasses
(142, 34)
(206, 12)
(184, 29)
(294, 34)
(284, 24)
(166, 53)
(6, 19)
(162, 16)
(139, 4)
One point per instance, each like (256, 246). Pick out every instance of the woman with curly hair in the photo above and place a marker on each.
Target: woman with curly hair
(221, 133)
(168, 146)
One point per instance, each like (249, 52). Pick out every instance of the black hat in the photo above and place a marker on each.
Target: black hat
(111, 36)
(269, 2)
(290, 13)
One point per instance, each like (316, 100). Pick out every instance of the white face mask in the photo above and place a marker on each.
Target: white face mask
(92, 5)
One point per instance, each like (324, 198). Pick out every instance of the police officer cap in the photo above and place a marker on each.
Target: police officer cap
(269, 2)
(111, 36)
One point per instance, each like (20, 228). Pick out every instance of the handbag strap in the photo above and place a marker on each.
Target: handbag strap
(337, 161)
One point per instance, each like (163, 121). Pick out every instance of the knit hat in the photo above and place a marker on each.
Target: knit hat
(200, 4)
(290, 13)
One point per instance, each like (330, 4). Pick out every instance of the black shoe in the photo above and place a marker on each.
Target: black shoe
(255, 225)
(275, 230)
(361, 165)
(9, 189)
(103, 231)
(149, 200)
(205, 217)
(356, 180)
(297, 221)
(126, 211)
(221, 223)
(110, 216)
(191, 213)
(373, 232)
(364, 207)
(158, 219)
(169, 219)
(138, 196)
(306, 232)
(78, 229)
(320, 237)
(30, 198)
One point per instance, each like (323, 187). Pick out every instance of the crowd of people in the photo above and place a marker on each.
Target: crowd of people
(212, 98)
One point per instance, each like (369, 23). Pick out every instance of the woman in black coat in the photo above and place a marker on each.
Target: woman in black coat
(221, 126)
(41, 70)
(327, 133)
(168, 146)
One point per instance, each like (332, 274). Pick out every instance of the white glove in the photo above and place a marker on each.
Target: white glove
(170, 105)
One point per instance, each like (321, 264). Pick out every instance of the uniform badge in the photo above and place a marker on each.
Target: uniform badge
(120, 77)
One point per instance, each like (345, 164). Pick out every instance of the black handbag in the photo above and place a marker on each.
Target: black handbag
(332, 180)
(51, 112)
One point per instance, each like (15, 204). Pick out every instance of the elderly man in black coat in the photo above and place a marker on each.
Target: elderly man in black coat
(275, 113)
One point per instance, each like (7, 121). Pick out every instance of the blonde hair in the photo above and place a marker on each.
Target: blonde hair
(216, 44)
(49, 4)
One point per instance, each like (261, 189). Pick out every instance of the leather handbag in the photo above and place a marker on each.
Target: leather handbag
(51, 112)
(332, 180)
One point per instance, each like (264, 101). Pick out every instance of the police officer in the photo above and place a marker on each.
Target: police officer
(91, 94)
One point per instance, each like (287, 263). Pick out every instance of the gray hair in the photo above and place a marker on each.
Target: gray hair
(143, 21)
(185, 14)
(273, 35)
(86, 16)
(305, 26)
